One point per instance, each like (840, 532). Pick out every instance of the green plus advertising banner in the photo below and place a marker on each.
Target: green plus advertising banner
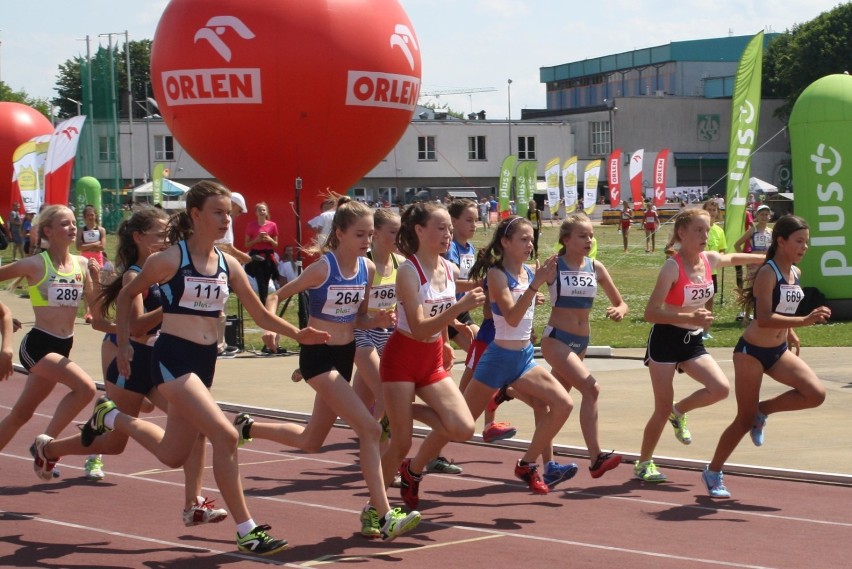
(820, 128)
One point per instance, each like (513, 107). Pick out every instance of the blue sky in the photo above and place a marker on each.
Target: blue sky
(464, 44)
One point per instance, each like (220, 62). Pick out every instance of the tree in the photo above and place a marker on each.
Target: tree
(809, 51)
(69, 80)
(11, 96)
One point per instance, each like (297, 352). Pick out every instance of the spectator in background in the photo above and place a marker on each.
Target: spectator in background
(226, 245)
(482, 209)
(322, 223)
(626, 220)
(16, 221)
(534, 217)
(492, 210)
(91, 242)
(262, 240)
(26, 230)
(287, 270)
(651, 222)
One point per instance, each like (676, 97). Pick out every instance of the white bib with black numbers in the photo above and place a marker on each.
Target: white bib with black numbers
(64, 293)
(697, 294)
(343, 300)
(789, 299)
(204, 293)
(382, 297)
(466, 261)
(578, 283)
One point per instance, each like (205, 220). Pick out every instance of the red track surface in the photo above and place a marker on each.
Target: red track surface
(484, 518)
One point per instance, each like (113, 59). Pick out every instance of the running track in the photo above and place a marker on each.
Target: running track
(484, 518)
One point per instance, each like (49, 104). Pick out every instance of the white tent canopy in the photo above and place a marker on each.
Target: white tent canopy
(171, 189)
(758, 186)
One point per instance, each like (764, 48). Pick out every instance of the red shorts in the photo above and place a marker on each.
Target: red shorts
(625, 224)
(477, 348)
(420, 363)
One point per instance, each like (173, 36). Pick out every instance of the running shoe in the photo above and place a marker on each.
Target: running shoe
(296, 376)
(95, 427)
(259, 542)
(500, 396)
(397, 481)
(243, 423)
(94, 467)
(398, 522)
(647, 472)
(370, 525)
(554, 473)
(410, 484)
(740, 316)
(225, 355)
(384, 422)
(529, 473)
(203, 512)
(498, 432)
(443, 466)
(681, 432)
(41, 465)
(758, 428)
(706, 336)
(715, 482)
(605, 462)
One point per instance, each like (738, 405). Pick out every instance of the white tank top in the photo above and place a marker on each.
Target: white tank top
(523, 331)
(432, 301)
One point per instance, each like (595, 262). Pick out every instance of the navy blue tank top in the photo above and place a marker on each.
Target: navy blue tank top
(152, 299)
(190, 292)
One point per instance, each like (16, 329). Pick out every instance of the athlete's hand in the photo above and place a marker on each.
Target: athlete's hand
(793, 343)
(384, 319)
(615, 314)
(16, 324)
(702, 318)
(818, 316)
(123, 357)
(449, 356)
(472, 299)
(311, 335)
(546, 273)
(464, 330)
(6, 365)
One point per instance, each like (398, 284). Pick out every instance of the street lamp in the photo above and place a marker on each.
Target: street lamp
(149, 101)
(509, 94)
(610, 105)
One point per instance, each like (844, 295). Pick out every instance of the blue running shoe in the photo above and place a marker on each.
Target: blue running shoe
(757, 429)
(554, 473)
(715, 482)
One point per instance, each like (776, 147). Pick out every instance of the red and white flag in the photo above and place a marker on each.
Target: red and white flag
(614, 178)
(660, 177)
(636, 164)
(60, 160)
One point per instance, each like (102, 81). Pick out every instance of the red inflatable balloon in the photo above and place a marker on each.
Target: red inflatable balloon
(18, 124)
(263, 92)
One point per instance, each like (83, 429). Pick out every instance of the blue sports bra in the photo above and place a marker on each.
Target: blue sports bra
(574, 289)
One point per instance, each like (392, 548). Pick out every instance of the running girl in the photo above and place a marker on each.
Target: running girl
(418, 355)
(676, 310)
(764, 348)
(58, 281)
(512, 290)
(715, 242)
(143, 234)
(338, 288)
(195, 279)
(566, 336)
(626, 221)
(462, 253)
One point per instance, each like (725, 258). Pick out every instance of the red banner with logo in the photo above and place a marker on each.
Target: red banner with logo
(660, 177)
(614, 177)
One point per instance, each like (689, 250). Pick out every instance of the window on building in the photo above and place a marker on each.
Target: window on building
(526, 148)
(426, 148)
(600, 138)
(164, 148)
(106, 148)
(476, 148)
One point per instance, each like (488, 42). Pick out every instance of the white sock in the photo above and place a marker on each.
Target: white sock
(109, 419)
(676, 412)
(245, 527)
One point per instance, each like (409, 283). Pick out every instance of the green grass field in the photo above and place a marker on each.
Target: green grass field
(634, 274)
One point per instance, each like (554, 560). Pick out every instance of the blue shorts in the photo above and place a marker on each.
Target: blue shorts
(140, 370)
(174, 357)
(498, 366)
(767, 357)
(577, 344)
(668, 344)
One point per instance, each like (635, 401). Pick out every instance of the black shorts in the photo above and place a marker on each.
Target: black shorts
(668, 344)
(38, 343)
(464, 318)
(317, 359)
(140, 370)
(173, 357)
